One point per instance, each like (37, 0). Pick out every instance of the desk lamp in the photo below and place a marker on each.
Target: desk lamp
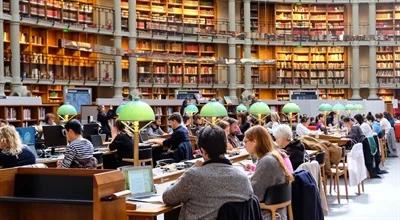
(290, 108)
(350, 108)
(338, 108)
(241, 108)
(66, 112)
(325, 108)
(119, 109)
(213, 109)
(191, 110)
(135, 112)
(258, 110)
(358, 107)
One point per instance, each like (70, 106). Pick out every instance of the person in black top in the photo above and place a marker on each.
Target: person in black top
(12, 152)
(179, 144)
(355, 133)
(103, 118)
(121, 142)
(244, 125)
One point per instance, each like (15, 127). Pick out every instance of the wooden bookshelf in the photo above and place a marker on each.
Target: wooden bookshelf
(175, 16)
(333, 93)
(43, 57)
(175, 72)
(387, 20)
(76, 11)
(386, 95)
(311, 65)
(310, 21)
(24, 115)
(388, 65)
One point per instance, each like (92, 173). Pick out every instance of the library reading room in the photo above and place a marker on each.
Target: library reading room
(199, 110)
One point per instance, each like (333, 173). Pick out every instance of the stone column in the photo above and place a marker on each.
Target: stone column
(133, 75)
(15, 49)
(117, 45)
(2, 79)
(232, 48)
(373, 85)
(355, 71)
(247, 46)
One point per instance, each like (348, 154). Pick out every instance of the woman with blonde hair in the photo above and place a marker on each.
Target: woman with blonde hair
(275, 122)
(12, 151)
(271, 169)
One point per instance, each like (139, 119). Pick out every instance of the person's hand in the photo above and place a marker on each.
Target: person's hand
(198, 163)
(114, 132)
(59, 163)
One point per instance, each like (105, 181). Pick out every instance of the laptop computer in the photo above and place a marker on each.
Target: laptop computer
(139, 180)
(97, 141)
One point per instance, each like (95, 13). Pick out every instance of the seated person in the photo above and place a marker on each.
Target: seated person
(179, 144)
(197, 124)
(204, 188)
(320, 123)
(225, 126)
(294, 148)
(79, 153)
(12, 152)
(302, 127)
(155, 128)
(270, 169)
(49, 120)
(121, 142)
(355, 133)
(233, 131)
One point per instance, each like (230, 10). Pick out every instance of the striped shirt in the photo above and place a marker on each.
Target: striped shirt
(78, 149)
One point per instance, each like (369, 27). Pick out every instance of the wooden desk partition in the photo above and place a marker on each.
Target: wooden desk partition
(62, 194)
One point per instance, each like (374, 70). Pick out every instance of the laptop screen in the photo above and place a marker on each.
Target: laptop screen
(140, 180)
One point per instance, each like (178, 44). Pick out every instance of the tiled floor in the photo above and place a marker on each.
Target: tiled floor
(380, 201)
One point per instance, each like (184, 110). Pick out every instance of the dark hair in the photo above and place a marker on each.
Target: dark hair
(196, 117)
(303, 118)
(319, 116)
(157, 117)
(100, 107)
(243, 117)
(74, 125)
(388, 116)
(213, 140)
(185, 118)
(359, 118)
(370, 117)
(223, 124)
(175, 117)
(119, 125)
(346, 119)
(378, 115)
(48, 116)
(231, 121)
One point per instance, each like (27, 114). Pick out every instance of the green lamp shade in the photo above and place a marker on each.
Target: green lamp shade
(241, 108)
(291, 108)
(350, 107)
(338, 107)
(259, 108)
(66, 109)
(213, 109)
(358, 107)
(120, 107)
(324, 107)
(136, 111)
(191, 109)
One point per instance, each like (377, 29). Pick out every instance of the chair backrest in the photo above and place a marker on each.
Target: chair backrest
(183, 152)
(145, 153)
(320, 157)
(247, 210)
(278, 194)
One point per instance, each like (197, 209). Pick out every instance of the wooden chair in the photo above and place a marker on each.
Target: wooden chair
(383, 150)
(337, 171)
(320, 157)
(278, 197)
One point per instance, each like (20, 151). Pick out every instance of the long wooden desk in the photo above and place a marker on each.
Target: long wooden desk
(336, 139)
